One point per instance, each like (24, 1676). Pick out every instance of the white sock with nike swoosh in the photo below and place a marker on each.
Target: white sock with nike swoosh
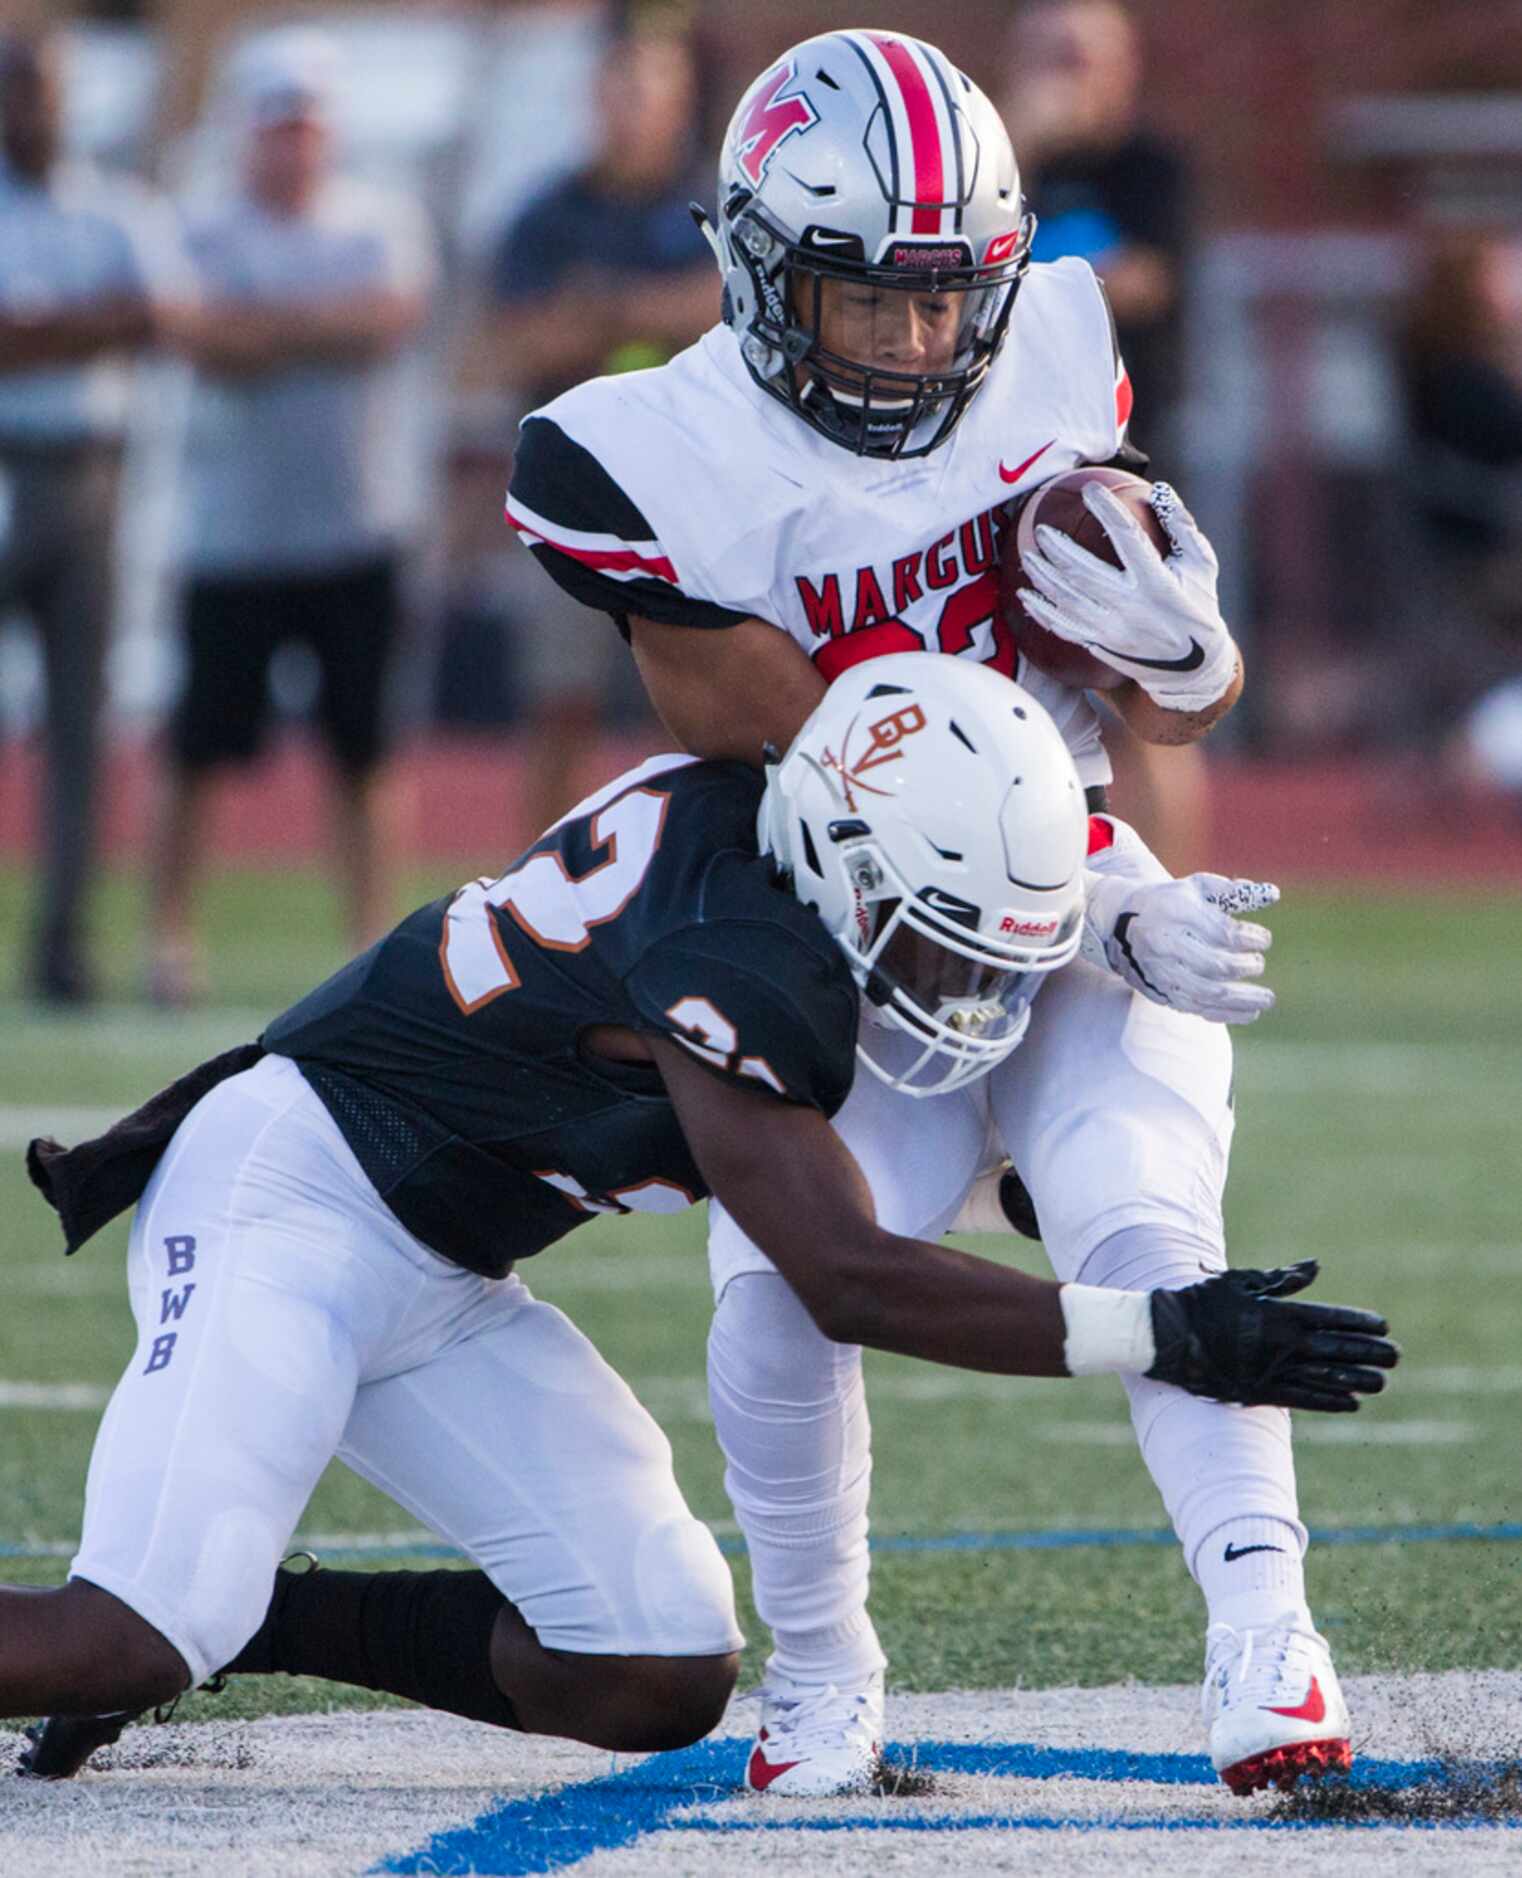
(1226, 1474)
(1251, 1573)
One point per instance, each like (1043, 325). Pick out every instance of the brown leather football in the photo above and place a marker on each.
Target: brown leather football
(1059, 503)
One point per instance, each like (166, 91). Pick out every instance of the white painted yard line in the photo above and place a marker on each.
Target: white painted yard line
(1360, 1431)
(123, 1028)
(1462, 1379)
(1389, 1070)
(1465, 1262)
(80, 1277)
(19, 1122)
(72, 1396)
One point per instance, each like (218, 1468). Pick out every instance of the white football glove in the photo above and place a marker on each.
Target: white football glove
(1176, 942)
(1156, 620)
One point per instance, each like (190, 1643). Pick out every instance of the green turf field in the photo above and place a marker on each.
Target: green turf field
(1378, 1130)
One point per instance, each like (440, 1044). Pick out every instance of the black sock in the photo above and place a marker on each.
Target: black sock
(424, 1635)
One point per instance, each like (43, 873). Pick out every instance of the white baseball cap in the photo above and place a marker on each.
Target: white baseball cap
(284, 75)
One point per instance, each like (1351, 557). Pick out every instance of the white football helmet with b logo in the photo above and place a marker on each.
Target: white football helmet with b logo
(930, 814)
(871, 236)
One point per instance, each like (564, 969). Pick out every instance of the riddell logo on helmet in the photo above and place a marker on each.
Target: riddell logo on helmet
(1027, 928)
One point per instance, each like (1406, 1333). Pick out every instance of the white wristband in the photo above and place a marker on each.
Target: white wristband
(1107, 1331)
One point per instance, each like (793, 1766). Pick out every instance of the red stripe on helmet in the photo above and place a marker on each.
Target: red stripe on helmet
(924, 132)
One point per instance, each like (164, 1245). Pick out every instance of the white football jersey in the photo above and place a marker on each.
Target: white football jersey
(686, 495)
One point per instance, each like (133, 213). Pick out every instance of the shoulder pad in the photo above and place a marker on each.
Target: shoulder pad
(590, 536)
(758, 1003)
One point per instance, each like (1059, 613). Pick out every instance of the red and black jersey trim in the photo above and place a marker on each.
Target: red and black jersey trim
(556, 478)
(591, 538)
(643, 599)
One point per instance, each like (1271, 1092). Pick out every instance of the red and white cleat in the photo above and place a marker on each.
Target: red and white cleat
(816, 1740)
(1273, 1706)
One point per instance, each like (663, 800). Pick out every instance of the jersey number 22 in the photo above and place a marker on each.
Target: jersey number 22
(553, 909)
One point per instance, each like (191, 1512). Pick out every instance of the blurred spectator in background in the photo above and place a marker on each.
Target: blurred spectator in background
(1103, 187)
(1462, 364)
(299, 504)
(83, 265)
(1462, 356)
(1116, 195)
(604, 271)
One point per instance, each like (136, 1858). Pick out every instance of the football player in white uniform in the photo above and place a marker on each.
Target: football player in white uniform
(822, 479)
(660, 1000)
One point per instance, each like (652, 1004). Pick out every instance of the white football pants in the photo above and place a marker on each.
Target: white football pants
(1117, 1114)
(284, 1316)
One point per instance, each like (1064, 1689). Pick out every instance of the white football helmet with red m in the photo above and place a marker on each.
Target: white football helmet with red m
(930, 814)
(865, 173)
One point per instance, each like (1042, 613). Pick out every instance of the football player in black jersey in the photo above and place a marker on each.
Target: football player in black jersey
(658, 1001)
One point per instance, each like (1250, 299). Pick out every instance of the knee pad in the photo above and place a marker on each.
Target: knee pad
(224, 1602)
(1152, 1258)
(684, 1593)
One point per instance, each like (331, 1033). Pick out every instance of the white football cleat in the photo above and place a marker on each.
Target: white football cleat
(815, 1739)
(1273, 1705)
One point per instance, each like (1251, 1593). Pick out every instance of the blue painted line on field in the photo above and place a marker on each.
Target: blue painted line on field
(557, 1830)
(1075, 1540)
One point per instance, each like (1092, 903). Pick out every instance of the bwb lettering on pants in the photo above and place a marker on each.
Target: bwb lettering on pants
(181, 1250)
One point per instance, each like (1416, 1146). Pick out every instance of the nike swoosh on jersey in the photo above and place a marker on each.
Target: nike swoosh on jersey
(1234, 1552)
(1192, 660)
(1312, 1709)
(1014, 475)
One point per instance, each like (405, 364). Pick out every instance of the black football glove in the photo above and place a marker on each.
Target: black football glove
(1232, 1339)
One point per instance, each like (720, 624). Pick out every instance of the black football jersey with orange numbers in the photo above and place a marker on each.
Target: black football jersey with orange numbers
(452, 1055)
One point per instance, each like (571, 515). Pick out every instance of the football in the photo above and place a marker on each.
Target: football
(1060, 504)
